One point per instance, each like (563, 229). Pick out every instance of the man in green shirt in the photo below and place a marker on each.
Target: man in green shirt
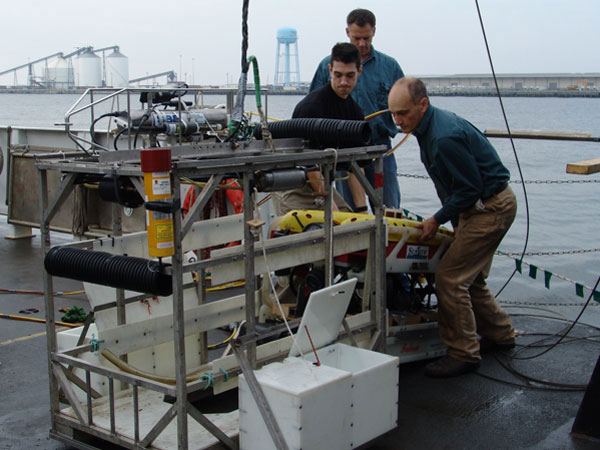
(472, 184)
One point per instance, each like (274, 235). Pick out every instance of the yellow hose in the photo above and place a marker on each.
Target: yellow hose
(231, 336)
(36, 319)
(125, 367)
(375, 114)
(222, 287)
(26, 291)
(393, 149)
(231, 185)
(251, 113)
(140, 373)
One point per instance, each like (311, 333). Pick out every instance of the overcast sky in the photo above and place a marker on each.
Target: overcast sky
(203, 37)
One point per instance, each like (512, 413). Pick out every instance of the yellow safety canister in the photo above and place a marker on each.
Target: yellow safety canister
(156, 165)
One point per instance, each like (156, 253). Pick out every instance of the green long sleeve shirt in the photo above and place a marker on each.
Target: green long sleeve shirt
(462, 163)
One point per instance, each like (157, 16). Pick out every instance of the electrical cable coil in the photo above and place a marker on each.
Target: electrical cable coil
(118, 271)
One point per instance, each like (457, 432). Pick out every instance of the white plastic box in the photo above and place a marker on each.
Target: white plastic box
(311, 405)
(350, 399)
(374, 389)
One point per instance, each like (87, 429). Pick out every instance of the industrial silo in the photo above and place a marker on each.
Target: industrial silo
(88, 69)
(117, 69)
(59, 73)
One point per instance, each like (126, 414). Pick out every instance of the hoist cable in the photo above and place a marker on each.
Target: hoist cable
(512, 143)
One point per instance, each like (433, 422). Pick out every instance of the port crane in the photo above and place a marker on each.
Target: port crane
(170, 74)
(579, 84)
(29, 66)
(31, 78)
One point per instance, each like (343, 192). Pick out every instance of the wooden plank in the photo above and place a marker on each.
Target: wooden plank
(543, 134)
(584, 167)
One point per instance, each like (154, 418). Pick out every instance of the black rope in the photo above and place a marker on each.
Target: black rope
(541, 343)
(566, 333)
(139, 128)
(245, 64)
(117, 136)
(93, 125)
(511, 143)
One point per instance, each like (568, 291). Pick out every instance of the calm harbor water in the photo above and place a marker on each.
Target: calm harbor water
(564, 209)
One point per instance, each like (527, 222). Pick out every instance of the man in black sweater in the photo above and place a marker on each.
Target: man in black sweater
(331, 101)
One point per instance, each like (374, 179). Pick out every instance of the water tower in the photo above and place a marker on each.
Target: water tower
(287, 37)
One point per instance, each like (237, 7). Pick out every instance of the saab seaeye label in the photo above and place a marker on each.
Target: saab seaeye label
(417, 252)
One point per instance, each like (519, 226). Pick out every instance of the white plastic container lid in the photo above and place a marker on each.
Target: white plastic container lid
(323, 316)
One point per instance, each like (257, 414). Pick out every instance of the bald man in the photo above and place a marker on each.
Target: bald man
(472, 184)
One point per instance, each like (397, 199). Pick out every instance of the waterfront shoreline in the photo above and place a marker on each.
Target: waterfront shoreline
(562, 93)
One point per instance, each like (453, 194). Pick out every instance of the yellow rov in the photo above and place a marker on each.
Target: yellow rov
(410, 263)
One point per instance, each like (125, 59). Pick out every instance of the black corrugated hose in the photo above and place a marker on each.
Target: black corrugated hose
(322, 133)
(118, 271)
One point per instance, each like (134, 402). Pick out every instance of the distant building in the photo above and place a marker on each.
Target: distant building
(79, 69)
(516, 81)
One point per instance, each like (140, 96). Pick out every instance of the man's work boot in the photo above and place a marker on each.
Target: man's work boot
(449, 367)
(486, 345)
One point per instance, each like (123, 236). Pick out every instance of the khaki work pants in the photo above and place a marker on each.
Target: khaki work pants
(304, 198)
(466, 305)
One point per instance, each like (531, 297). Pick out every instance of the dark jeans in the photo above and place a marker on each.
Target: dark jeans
(391, 188)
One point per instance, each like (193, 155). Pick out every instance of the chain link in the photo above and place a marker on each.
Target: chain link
(561, 277)
(554, 181)
(547, 253)
(425, 177)
(411, 175)
(520, 302)
(552, 253)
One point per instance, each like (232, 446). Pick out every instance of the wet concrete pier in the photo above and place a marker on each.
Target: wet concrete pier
(495, 408)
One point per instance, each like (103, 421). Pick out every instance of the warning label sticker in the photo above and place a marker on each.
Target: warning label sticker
(161, 186)
(164, 233)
